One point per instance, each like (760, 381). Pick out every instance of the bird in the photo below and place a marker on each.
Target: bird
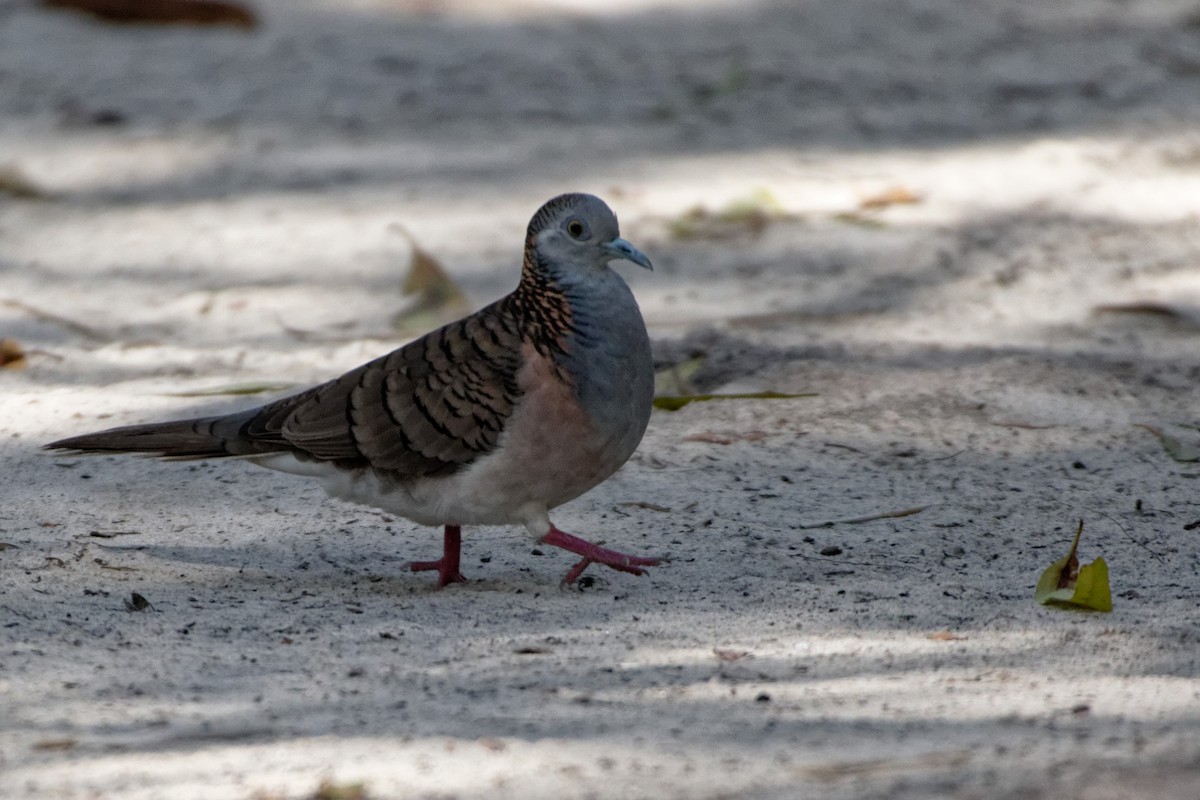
(495, 419)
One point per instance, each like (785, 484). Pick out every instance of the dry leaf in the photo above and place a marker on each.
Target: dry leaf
(11, 355)
(893, 196)
(136, 602)
(946, 636)
(438, 297)
(14, 182)
(54, 744)
(729, 654)
(1179, 312)
(163, 12)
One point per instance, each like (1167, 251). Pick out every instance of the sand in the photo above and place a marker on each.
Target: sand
(219, 206)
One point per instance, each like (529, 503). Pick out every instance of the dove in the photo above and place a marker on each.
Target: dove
(495, 419)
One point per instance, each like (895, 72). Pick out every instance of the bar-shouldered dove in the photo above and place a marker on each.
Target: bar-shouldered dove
(494, 419)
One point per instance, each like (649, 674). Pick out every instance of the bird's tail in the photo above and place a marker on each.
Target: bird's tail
(207, 437)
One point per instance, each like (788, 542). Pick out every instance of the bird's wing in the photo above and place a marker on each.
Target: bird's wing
(427, 408)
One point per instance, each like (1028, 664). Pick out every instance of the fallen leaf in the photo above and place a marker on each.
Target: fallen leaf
(893, 196)
(750, 215)
(14, 182)
(1064, 583)
(708, 437)
(136, 602)
(247, 387)
(12, 356)
(729, 654)
(1179, 312)
(859, 220)
(328, 790)
(7, 546)
(65, 743)
(946, 636)
(163, 12)
(676, 402)
(1176, 448)
(438, 298)
(676, 380)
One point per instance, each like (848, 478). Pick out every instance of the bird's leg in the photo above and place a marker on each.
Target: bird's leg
(595, 554)
(447, 565)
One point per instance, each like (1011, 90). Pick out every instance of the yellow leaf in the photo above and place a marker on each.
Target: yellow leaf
(1064, 583)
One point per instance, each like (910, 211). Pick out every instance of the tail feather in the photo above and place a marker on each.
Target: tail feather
(207, 437)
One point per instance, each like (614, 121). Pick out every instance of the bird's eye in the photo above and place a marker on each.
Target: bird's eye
(576, 228)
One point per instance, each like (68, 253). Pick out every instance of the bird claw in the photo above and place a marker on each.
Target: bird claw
(446, 573)
(447, 565)
(595, 554)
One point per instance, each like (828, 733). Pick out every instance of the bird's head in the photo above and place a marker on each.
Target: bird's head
(579, 233)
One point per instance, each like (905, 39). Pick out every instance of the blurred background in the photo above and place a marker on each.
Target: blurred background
(960, 173)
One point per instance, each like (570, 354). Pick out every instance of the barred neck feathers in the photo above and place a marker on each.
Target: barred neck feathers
(540, 306)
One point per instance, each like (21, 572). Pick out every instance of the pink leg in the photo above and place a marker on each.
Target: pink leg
(595, 554)
(447, 565)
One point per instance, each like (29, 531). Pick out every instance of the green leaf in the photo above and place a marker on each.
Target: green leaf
(677, 378)
(1065, 584)
(1176, 448)
(676, 402)
(248, 387)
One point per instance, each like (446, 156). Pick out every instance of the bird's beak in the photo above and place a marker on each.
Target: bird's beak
(624, 250)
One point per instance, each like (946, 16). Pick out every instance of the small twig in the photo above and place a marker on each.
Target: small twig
(942, 458)
(641, 504)
(46, 316)
(112, 534)
(907, 512)
(1157, 557)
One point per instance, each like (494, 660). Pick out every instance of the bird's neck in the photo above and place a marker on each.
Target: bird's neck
(541, 307)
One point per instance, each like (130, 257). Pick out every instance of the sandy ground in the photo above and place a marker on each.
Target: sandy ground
(220, 208)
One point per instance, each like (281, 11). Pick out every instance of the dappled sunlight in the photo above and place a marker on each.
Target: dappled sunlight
(967, 233)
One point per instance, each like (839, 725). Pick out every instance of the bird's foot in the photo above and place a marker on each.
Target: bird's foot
(447, 565)
(595, 554)
(447, 574)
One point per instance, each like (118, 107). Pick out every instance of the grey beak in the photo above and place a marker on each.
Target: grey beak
(624, 250)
